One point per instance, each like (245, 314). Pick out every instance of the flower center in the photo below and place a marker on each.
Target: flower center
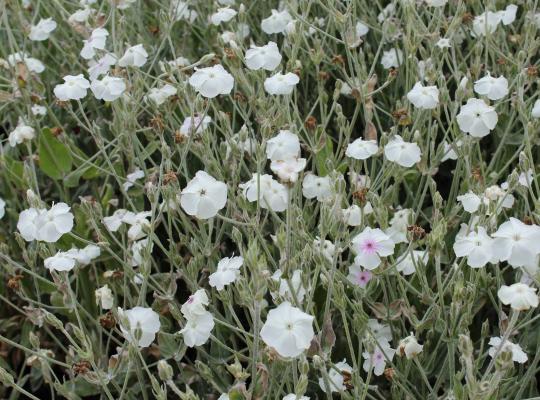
(369, 247)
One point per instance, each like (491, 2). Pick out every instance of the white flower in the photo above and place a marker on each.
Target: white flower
(199, 322)
(399, 224)
(181, 11)
(33, 64)
(101, 66)
(518, 355)
(161, 94)
(392, 58)
(45, 225)
(449, 152)
(335, 377)
(477, 246)
(409, 347)
(289, 286)
(361, 149)
(477, 118)
(288, 170)
(288, 330)
(443, 43)
(525, 178)
(320, 187)
(61, 261)
(42, 30)
(280, 84)
(535, 113)
(354, 215)
(470, 201)
(293, 396)
(132, 178)
(424, 97)
(139, 325)
(104, 297)
(266, 57)
(485, 23)
(97, 40)
(361, 29)
(124, 4)
(379, 331)
(517, 243)
(73, 88)
(283, 146)
(224, 14)
(81, 16)
(369, 246)
(401, 152)
(114, 221)
(196, 124)
(109, 88)
(519, 296)
(197, 329)
(325, 247)
(212, 81)
(509, 14)
(2, 208)
(500, 195)
(195, 304)
(136, 256)
(277, 22)
(436, 3)
(407, 262)
(21, 133)
(85, 255)
(203, 196)
(138, 224)
(134, 56)
(228, 270)
(493, 88)
(38, 110)
(269, 192)
(377, 359)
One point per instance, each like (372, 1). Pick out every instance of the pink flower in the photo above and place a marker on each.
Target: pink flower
(370, 245)
(359, 277)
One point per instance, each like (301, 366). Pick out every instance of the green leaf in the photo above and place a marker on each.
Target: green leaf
(325, 154)
(14, 170)
(54, 156)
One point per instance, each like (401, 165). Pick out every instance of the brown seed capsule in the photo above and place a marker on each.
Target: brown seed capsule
(402, 116)
(157, 123)
(324, 76)
(178, 137)
(107, 321)
(467, 18)
(240, 97)
(527, 220)
(229, 53)
(532, 71)
(81, 367)
(154, 30)
(360, 195)
(56, 131)
(389, 373)
(476, 173)
(169, 177)
(310, 123)
(14, 282)
(347, 379)
(338, 59)
(417, 232)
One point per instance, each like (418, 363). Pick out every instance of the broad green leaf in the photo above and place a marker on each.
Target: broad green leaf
(54, 157)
